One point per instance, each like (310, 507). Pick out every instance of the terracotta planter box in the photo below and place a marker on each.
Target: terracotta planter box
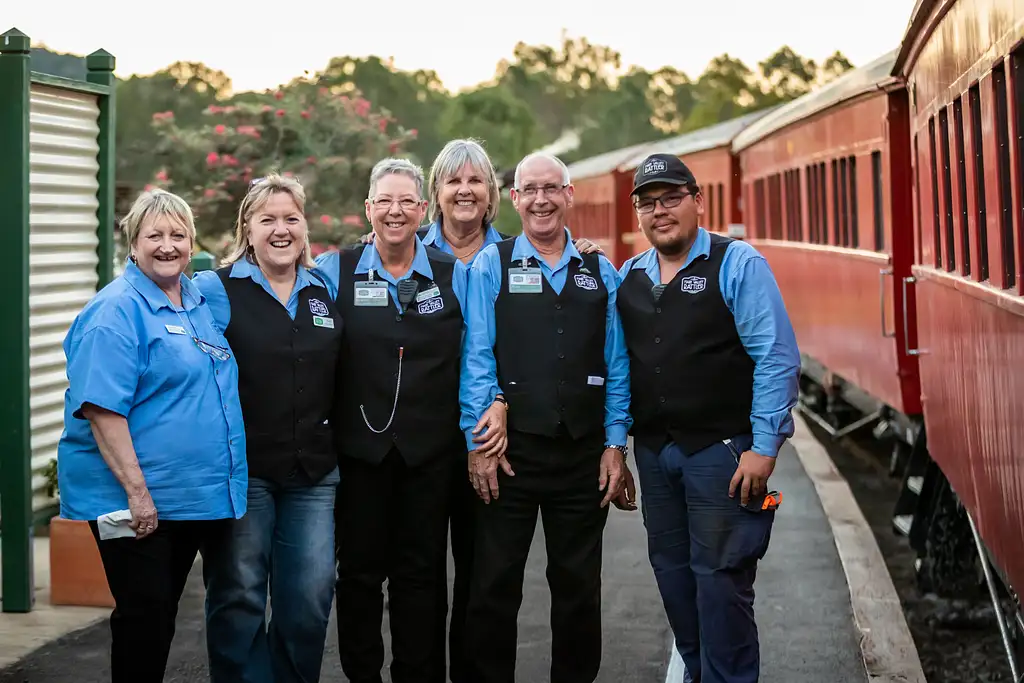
(76, 571)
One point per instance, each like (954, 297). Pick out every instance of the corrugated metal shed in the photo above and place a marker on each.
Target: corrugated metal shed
(64, 142)
(711, 137)
(870, 77)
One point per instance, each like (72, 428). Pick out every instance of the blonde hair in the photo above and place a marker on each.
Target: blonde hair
(155, 204)
(260, 192)
(450, 161)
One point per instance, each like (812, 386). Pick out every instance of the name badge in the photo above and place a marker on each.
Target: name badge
(323, 322)
(175, 329)
(428, 294)
(595, 381)
(525, 281)
(371, 293)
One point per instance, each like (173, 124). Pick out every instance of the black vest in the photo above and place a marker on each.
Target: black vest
(285, 378)
(690, 377)
(549, 350)
(426, 422)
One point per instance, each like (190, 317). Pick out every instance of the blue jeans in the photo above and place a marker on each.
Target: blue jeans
(286, 536)
(704, 548)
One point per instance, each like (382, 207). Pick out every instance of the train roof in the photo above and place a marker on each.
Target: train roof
(718, 135)
(603, 163)
(910, 45)
(870, 77)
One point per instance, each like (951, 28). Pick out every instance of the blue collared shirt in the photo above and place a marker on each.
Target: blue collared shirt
(131, 351)
(209, 283)
(753, 298)
(479, 381)
(435, 238)
(327, 268)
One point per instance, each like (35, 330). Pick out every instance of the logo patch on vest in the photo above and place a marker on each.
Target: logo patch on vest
(430, 306)
(585, 282)
(317, 307)
(655, 166)
(694, 284)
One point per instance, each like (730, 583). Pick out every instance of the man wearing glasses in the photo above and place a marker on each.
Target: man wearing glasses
(713, 368)
(543, 330)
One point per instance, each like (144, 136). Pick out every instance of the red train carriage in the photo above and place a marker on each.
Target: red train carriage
(963, 63)
(601, 202)
(708, 153)
(826, 181)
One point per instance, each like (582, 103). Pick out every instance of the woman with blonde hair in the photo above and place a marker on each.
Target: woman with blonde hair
(153, 449)
(286, 333)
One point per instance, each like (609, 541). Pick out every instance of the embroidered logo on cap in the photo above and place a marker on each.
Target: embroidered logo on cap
(694, 284)
(655, 166)
(317, 307)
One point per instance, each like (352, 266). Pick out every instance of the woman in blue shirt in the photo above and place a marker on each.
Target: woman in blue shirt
(153, 449)
(286, 333)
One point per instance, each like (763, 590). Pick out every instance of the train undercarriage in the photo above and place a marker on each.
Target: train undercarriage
(952, 560)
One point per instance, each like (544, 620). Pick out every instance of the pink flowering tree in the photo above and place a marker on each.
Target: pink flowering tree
(329, 142)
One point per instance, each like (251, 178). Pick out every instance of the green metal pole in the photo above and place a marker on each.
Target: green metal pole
(15, 450)
(100, 65)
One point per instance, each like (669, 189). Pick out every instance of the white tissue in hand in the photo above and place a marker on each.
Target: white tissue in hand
(115, 525)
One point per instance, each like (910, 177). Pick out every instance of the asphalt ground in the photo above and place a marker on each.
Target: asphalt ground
(802, 605)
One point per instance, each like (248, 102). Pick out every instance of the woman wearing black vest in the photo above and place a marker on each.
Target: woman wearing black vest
(285, 331)
(397, 429)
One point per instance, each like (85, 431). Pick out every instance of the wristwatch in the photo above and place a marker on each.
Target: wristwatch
(622, 449)
(501, 399)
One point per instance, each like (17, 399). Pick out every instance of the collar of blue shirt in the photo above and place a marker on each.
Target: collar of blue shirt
(154, 296)
(648, 261)
(524, 248)
(435, 235)
(244, 268)
(371, 259)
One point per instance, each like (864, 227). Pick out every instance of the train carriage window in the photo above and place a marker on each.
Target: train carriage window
(1017, 61)
(799, 201)
(723, 219)
(812, 225)
(935, 194)
(844, 212)
(823, 203)
(1005, 180)
(917, 197)
(961, 174)
(877, 201)
(854, 237)
(759, 209)
(837, 223)
(775, 204)
(947, 189)
(980, 216)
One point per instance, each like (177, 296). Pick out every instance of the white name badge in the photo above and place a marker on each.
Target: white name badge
(595, 381)
(371, 293)
(175, 329)
(319, 321)
(525, 281)
(428, 294)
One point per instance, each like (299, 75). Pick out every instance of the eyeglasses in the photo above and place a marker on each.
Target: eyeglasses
(212, 350)
(532, 190)
(385, 203)
(669, 200)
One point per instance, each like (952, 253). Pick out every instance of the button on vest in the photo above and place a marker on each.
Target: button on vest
(690, 377)
(286, 375)
(426, 419)
(549, 350)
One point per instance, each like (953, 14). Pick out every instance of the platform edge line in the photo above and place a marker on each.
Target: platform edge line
(887, 646)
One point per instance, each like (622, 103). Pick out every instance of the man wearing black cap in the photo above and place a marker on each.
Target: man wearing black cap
(713, 378)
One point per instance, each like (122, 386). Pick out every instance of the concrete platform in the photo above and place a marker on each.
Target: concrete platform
(816, 626)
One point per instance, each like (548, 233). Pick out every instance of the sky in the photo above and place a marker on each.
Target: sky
(262, 44)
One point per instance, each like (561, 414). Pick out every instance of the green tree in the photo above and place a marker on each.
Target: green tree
(329, 142)
(496, 117)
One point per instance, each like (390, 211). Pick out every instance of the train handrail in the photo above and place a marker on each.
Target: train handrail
(881, 301)
(906, 325)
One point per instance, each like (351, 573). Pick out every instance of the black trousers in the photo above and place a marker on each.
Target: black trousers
(146, 578)
(461, 511)
(559, 477)
(391, 523)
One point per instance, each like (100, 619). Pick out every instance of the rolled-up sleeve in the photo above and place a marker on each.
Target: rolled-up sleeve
(616, 399)
(103, 369)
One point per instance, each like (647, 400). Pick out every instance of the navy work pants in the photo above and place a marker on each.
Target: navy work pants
(704, 549)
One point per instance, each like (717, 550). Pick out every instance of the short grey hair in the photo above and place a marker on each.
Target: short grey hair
(540, 155)
(393, 166)
(449, 161)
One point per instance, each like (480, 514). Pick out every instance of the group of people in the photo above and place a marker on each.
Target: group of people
(315, 428)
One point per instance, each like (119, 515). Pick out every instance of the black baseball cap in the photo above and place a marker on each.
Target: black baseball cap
(662, 168)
